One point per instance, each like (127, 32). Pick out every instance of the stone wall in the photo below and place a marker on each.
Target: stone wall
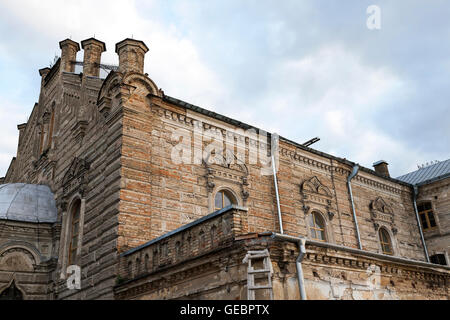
(27, 257)
(163, 194)
(68, 145)
(438, 238)
(330, 274)
(110, 143)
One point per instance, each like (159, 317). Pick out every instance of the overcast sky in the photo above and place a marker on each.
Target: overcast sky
(299, 68)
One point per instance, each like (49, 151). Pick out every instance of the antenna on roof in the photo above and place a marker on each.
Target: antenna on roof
(424, 165)
(310, 142)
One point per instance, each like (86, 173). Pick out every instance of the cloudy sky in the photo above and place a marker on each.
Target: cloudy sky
(299, 68)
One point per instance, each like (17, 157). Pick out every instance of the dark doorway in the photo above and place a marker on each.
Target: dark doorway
(11, 293)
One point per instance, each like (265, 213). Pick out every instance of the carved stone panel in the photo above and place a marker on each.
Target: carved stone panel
(75, 179)
(315, 194)
(381, 213)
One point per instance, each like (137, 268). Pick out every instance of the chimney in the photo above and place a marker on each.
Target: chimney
(381, 167)
(21, 128)
(131, 55)
(69, 51)
(43, 73)
(93, 49)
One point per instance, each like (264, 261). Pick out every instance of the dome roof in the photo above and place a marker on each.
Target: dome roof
(27, 202)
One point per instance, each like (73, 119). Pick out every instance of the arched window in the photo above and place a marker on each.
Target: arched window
(317, 226)
(11, 293)
(426, 215)
(50, 133)
(223, 199)
(74, 231)
(385, 241)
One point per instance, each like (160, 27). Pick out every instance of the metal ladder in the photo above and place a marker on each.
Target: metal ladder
(251, 272)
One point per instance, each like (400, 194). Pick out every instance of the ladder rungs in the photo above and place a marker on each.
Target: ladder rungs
(259, 271)
(258, 252)
(259, 287)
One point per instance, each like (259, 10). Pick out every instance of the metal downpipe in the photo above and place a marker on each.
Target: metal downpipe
(350, 177)
(415, 193)
(280, 222)
(298, 262)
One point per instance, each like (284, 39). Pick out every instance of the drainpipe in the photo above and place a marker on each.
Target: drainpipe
(416, 192)
(350, 177)
(276, 192)
(302, 251)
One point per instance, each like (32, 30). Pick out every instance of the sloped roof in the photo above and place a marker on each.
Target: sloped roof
(27, 202)
(428, 174)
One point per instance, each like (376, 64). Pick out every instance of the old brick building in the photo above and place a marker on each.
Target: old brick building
(160, 199)
(432, 187)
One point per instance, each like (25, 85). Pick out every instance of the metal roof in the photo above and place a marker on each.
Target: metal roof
(27, 202)
(428, 174)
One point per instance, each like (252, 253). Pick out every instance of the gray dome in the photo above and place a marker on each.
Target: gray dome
(27, 202)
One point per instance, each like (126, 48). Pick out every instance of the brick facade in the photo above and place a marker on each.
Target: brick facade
(111, 143)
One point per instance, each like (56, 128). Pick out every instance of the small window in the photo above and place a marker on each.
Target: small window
(75, 225)
(317, 226)
(438, 259)
(426, 215)
(223, 199)
(385, 241)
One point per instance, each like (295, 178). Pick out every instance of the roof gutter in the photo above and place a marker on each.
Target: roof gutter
(415, 194)
(350, 177)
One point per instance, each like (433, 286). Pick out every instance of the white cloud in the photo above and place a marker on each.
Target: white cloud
(173, 61)
(332, 94)
(10, 116)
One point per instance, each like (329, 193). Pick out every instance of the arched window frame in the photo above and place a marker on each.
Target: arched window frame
(74, 232)
(316, 213)
(383, 244)
(225, 192)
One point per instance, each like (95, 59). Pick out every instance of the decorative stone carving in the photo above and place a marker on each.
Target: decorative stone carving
(331, 215)
(314, 185)
(75, 178)
(315, 194)
(381, 213)
(226, 168)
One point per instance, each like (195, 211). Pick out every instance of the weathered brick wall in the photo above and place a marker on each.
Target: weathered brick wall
(163, 195)
(211, 233)
(330, 274)
(438, 193)
(26, 250)
(79, 131)
(122, 129)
